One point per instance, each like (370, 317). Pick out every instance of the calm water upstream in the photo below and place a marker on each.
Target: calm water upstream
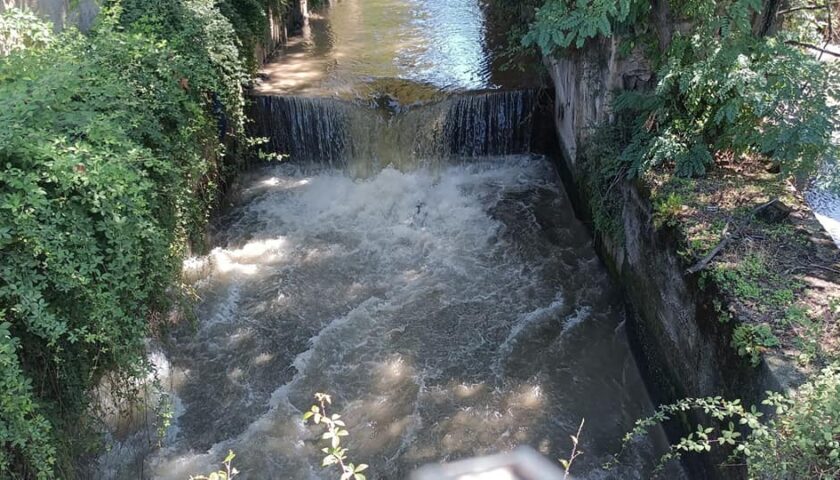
(441, 289)
(399, 45)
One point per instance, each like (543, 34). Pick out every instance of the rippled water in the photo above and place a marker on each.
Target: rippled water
(450, 313)
(410, 49)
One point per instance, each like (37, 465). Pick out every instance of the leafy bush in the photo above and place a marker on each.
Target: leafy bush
(21, 29)
(752, 340)
(666, 210)
(108, 160)
(801, 441)
(723, 87)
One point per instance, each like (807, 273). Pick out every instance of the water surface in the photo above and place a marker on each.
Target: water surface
(449, 313)
(416, 262)
(411, 49)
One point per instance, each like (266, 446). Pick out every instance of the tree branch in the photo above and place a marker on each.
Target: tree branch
(805, 7)
(813, 47)
(700, 265)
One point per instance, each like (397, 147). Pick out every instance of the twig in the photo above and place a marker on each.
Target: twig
(813, 47)
(700, 265)
(828, 269)
(567, 464)
(805, 7)
(618, 177)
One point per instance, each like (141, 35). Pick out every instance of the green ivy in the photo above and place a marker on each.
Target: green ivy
(109, 155)
(250, 19)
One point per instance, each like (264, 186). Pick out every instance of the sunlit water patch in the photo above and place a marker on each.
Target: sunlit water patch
(407, 49)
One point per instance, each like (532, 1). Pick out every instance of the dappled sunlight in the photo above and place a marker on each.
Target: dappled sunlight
(246, 260)
(395, 295)
(284, 184)
(527, 397)
(263, 358)
(440, 42)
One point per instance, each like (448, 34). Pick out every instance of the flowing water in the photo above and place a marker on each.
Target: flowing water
(412, 48)
(415, 261)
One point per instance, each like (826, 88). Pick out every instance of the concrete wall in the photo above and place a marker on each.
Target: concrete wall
(61, 13)
(681, 346)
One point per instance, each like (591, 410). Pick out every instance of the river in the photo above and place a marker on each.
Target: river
(440, 288)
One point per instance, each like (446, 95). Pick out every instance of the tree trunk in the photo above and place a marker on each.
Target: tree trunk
(765, 22)
(662, 20)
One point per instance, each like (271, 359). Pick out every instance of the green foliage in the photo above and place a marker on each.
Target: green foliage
(809, 331)
(721, 87)
(565, 23)
(335, 429)
(802, 439)
(250, 19)
(21, 29)
(21, 425)
(226, 473)
(734, 93)
(205, 50)
(666, 210)
(602, 171)
(108, 161)
(752, 340)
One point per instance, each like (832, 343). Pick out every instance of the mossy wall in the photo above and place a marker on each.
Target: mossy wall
(682, 347)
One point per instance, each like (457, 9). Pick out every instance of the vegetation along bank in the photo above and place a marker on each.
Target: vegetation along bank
(113, 147)
(692, 131)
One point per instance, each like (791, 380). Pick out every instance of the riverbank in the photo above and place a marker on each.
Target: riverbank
(730, 280)
(115, 143)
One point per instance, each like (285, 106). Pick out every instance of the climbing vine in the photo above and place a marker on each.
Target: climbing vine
(109, 158)
(801, 440)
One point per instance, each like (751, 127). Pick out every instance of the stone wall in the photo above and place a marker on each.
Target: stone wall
(61, 13)
(681, 346)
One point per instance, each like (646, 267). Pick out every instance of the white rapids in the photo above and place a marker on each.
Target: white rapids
(449, 314)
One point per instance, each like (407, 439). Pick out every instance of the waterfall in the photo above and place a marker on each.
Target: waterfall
(497, 123)
(339, 132)
(303, 127)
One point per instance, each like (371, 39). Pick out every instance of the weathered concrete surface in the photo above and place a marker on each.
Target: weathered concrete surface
(82, 14)
(684, 350)
(62, 13)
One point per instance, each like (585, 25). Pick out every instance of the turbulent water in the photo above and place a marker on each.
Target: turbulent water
(449, 313)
